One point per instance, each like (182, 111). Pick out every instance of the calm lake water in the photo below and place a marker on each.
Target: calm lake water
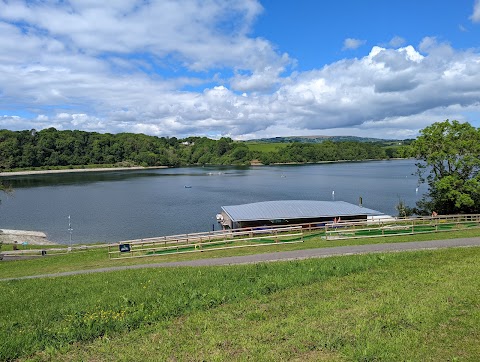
(114, 206)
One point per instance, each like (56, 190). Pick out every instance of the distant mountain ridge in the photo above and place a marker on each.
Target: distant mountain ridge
(320, 139)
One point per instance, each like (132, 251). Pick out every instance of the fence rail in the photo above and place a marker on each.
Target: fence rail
(273, 235)
(199, 242)
(400, 226)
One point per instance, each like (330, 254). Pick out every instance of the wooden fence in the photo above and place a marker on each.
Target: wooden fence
(207, 241)
(400, 226)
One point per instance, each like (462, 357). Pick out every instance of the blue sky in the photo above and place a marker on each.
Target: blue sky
(314, 31)
(239, 68)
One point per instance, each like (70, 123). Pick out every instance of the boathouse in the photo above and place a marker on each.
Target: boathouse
(289, 212)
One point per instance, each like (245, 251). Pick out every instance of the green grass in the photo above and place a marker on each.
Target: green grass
(98, 258)
(265, 147)
(228, 243)
(9, 247)
(379, 231)
(401, 306)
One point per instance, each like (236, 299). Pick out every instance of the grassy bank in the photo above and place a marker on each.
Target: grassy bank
(401, 306)
(98, 258)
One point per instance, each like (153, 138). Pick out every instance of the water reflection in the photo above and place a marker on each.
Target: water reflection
(75, 178)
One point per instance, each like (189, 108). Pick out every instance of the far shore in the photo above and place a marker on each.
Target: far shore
(105, 169)
(72, 170)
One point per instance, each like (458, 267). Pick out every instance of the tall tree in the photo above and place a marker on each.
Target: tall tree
(449, 155)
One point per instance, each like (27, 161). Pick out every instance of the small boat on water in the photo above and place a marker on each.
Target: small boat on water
(188, 186)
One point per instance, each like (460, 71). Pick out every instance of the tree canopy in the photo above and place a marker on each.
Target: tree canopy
(50, 148)
(449, 155)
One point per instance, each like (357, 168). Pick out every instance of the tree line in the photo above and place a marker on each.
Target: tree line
(448, 155)
(51, 148)
(326, 151)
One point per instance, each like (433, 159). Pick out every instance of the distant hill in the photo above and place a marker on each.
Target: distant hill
(320, 139)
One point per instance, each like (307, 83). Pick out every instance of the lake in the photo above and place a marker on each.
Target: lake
(122, 205)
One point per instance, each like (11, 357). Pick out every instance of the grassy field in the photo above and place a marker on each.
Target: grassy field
(98, 258)
(422, 306)
(265, 147)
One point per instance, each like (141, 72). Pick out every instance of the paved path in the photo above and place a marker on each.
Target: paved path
(283, 255)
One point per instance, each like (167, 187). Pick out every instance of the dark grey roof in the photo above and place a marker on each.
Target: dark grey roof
(295, 209)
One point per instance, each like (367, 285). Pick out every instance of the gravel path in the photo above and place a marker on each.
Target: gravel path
(283, 255)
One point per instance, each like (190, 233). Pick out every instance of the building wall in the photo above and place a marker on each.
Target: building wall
(319, 220)
(227, 223)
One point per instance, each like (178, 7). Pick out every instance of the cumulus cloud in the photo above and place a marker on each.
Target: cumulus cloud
(475, 17)
(80, 67)
(201, 34)
(352, 43)
(396, 41)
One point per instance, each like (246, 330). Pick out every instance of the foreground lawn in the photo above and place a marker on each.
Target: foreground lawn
(400, 306)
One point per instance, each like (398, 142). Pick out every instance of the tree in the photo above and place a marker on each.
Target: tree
(403, 209)
(449, 155)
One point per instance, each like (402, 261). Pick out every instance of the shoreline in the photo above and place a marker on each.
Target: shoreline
(10, 236)
(79, 170)
(326, 162)
(133, 168)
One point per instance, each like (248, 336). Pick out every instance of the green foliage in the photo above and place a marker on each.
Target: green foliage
(324, 152)
(449, 154)
(50, 148)
(403, 209)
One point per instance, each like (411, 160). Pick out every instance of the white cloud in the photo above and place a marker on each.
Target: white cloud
(80, 67)
(396, 42)
(262, 80)
(475, 17)
(352, 43)
(193, 31)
